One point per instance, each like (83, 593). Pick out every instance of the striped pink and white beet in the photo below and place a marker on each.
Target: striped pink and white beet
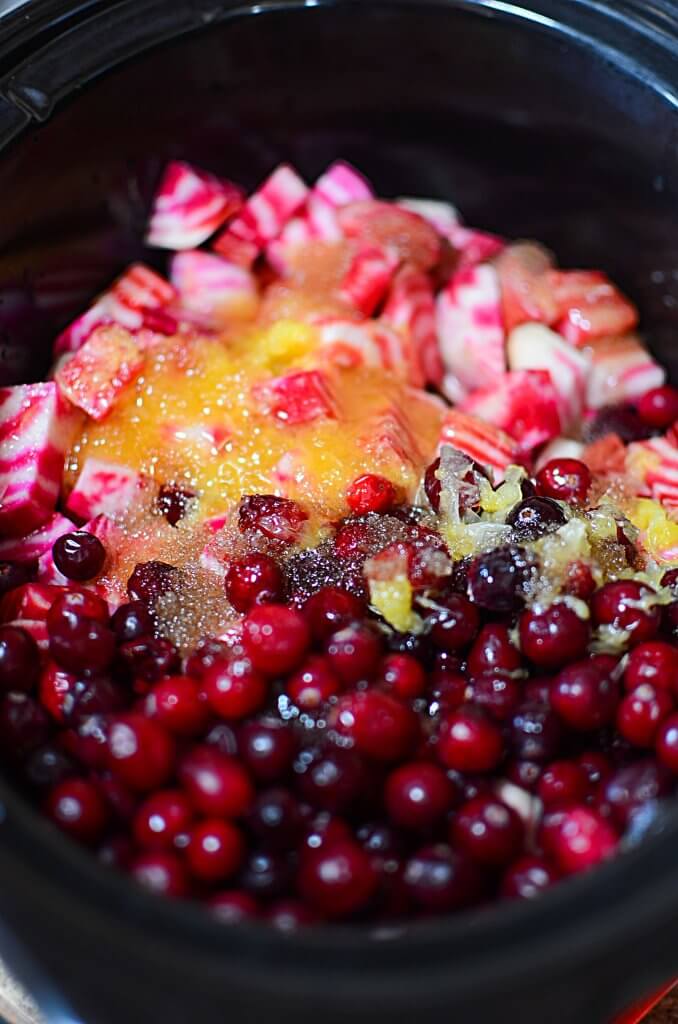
(535, 347)
(94, 378)
(654, 465)
(37, 426)
(470, 328)
(189, 206)
(410, 308)
(621, 371)
(295, 398)
(523, 403)
(212, 288)
(103, 488)
(368, 277)
(481, 441)
(347, 344)
(33, 546)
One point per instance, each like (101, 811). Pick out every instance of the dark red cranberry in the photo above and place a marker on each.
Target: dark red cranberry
(161, 818)
(584, 697)
(233, 906)
(448, 690)
(19, 659)
(670, 621)
(439, 879)
(354, 540)
(290, 915)
(641, 712)
(276, 518)
(620, 604)
(493, 651)
(78, 643)
(215, 850)
(23, 725)
(267, 748)
(525, 774)
(253, 579)
(554, 636)
(120, 799)
(87, 741)
(332, 779)
(81, 603)
(176, 703)
(13, 575)
(404, 676)
(266, 874)
(150, 657)
(579, 581)
(47, 766)
(383, 842)
(535, 733)
(353, 653)
(140, 752)
(312, 684)
(417, 794)
(380, 726)
(78, 809)
(655, 663)
(216, 785)
(659, 407)
(469, 741)
(174, 503)
(455, 623)
(324, 829)
(497, 695)
(432, 485)
(234, 689)
(669, 579)
(276, 638)
(566, 480)
(563, 783)
(527, 878)
(162, 872)
(206, 654)
(338, 879)
(330, 609)
(534, 517)
(488, 831)
(633, 786)
(597, 768)
(97, 696)
(275, 819)
(370, 493)
(150, 580)
(616, 419)
(667, 743)
(537, 689)
(499, 579)
(577, 838)
(131, 621)
(79, 555)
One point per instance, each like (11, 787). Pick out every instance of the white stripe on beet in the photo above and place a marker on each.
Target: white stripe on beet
(470, 327)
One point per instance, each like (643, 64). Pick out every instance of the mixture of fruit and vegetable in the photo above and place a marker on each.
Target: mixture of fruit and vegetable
(339, 567)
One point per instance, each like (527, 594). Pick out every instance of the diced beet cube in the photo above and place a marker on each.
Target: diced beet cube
(295, 398)
(189, 206)
(103, 488)
(93, 379)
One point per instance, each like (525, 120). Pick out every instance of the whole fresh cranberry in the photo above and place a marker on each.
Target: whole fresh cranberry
(79, 556)
(131, 621)
(499, 579)
(417, 794)
(380, 726)
(488, 831)
(493, 651)
(162, 817)
(176, 703)
(404, 676)
(207, 652)
(216, 785)
(24, 725)
(331, 609)
(354, 653)
(439, 878)
(455, 623)
(562, 783)
(641, 712)
(76, 806)
(338, 879)
(313, 684)
(566, 480)
(275, 819)
(370, 493)
(150, 657)
(655, 663)
(140, 752)
(667, 743)
(634, 786)
(150, 580)
(627, 605)
(496, 694)
(534, 517)
(215, 850)
(536, 732)
(584, 697)
(162, 872)
(174, 502)
(234, 688)
(19, 659)
(79, 643)
(267, 747)
(528, 877)
(577, 838)
(469, 741)
(82, 603)
(290, 915)
(621, 420)
(266, 874)
(553, 636)
(47, 766)
(525, 774)
(277, 518)
(597, 767)
(275, 638)
(332, 779)
(579, 581)
(253, 579)
(659, 407)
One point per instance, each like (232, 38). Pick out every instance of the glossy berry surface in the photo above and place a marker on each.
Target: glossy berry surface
(534, 517)
(253, 579)
(659, 407)
(469, 742)
(279, 519)
(554, 636)
(275, 638)
(417, 795)
(215, 850)
(488, 831)
(338, 879)
(79, 556)
(584, 697)
(77, 808)
(19, 659)
(140, 752)
(370, 493)
(234, 689)
(627, 605)
(566, 480)
(498, 580)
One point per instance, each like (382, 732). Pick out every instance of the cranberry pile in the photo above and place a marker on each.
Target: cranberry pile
(317, 763)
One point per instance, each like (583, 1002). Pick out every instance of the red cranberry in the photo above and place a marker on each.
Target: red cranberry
(162, 872)
(131, 621)
(253, 579)
(23, 725)
(233, 906)
(527, 878)
(537, 690)
(353, 653)
(161, 818)
(290, 915)
(235, 689)
(495, 694)
(455, 624)
(216, 785)
(266, 874)
(150, 657)
(562, 783)
(404, 676)
(87, 742)
(616, 419)
(121, 800)
(312, 684)
(19, 659)
(79, 555)
(641, 713)
(354, 540)
(634, 786)
(670, 621)
(206, 654)
(215, 850)
(13, 575)
(534, 517)
(275, 819)
(597, 768)
(81, 603)
(488, 831)
(380, 726)
(439, 879)
(324, 829)
(655, 663)
(177, 705)
(30, 601)
(330, 609)
(498, 580)
(579, 581)
(667, 743)
(174, 503)
(493, 650)
(140, 752)
(448, 690)
(276, 518)
(469, 741)
(432, 485)
(150, 580)
(78, 643)
(659, 407)
(554, 636)
(275, 638)
(267, 749)
(332, 779)
(417, 794)
(370, 493)
(98, 696)
(617, 604)
(47, 766)
(338, 879)
(535, 732)
(76, 806)
(567, 480)
(669, 579)
(584, 697)
(578, 838)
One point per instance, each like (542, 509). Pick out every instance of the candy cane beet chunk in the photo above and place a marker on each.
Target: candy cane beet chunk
(189, 206)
